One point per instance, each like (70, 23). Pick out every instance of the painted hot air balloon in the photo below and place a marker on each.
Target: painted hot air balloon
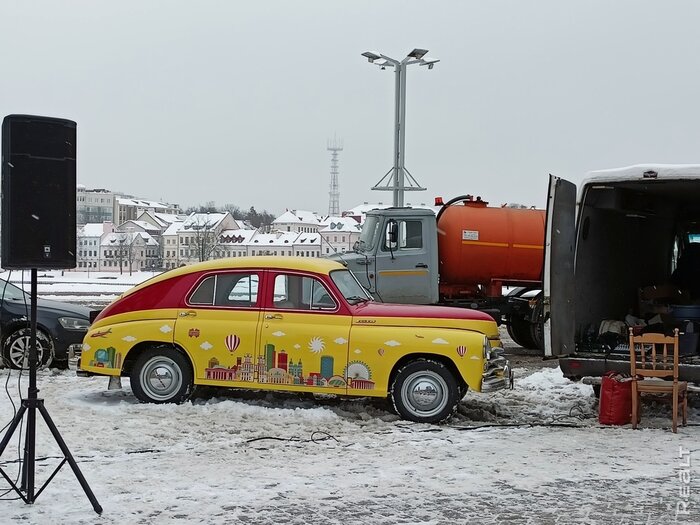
(461, 350)
(232, 342)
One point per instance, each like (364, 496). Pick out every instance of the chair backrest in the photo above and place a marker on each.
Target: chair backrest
(654, 355)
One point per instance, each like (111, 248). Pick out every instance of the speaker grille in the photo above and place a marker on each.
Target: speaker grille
(38, 192)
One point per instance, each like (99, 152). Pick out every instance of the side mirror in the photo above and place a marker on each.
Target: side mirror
(392, 235)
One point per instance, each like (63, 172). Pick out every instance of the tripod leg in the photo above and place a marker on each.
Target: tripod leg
(69, 457)
(3, 444)
(28, 467)
(11, 429)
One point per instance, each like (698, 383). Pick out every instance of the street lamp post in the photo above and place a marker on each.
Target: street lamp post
(395, 179)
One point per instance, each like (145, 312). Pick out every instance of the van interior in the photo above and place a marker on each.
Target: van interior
(637, 260)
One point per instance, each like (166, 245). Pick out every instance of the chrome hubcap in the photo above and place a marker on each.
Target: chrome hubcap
(161, 378)
(424, 393)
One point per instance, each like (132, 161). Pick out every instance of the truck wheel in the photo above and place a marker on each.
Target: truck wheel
(161, 376)
(425, 391)
(15, 350)
(537, 327)
(520, 331)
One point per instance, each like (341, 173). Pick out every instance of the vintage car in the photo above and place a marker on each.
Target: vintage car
(292, 324)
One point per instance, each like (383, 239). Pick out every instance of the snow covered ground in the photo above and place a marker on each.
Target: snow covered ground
(533, 455)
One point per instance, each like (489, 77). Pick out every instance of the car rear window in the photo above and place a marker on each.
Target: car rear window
(227, 289)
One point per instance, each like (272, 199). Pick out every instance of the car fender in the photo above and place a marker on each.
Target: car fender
(108, 341)
(381, 348)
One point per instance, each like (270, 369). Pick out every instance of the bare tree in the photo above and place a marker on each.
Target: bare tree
(235, 211)
(125, 252)
(205, 238)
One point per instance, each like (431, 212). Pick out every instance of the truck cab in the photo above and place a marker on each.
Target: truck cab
(621, 253)
(396, 258)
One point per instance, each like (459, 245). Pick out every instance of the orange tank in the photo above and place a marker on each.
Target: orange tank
(482, 248)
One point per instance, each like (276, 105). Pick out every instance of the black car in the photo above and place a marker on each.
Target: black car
(60, 326)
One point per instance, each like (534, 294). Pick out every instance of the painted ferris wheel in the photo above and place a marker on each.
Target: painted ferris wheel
(357, 370)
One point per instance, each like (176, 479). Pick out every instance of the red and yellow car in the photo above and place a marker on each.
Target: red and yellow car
(293, 324)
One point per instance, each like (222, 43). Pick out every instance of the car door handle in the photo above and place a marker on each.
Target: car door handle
(273, 316)
(189, 313)
(421, 265)
(363, 262)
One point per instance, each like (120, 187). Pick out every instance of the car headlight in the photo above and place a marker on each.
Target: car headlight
(74, 323)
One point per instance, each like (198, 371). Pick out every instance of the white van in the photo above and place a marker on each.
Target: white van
(627, 250)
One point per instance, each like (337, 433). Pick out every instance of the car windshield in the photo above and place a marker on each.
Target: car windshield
(10, 292)
(369, 234)
(351, 289)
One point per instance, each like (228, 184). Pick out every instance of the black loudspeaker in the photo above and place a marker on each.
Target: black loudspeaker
(38, 192)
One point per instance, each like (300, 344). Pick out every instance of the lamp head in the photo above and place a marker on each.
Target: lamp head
(418, 53)
(430, 62)
(371, 57)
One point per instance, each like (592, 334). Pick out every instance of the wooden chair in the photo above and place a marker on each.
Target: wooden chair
(654, 365)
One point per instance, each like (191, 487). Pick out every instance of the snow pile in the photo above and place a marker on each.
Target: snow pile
(545, 396)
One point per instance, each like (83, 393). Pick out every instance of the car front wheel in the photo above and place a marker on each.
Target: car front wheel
(15, 350)
(425, 391)
(162, 376)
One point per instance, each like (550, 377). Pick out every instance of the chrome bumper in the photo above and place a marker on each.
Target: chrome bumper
(74, 352)
(498, 374)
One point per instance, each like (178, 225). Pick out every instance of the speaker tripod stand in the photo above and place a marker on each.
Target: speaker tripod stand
(29, 407)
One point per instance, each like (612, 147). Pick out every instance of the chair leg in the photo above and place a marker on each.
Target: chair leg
(635, 405)
(675, 408)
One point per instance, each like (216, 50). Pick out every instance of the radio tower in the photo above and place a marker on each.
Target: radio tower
(334, 146)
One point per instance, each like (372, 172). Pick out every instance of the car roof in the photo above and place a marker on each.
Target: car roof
(310, 264)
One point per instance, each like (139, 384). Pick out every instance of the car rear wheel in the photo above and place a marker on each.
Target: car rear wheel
(162, 376)
(15, 350)
(425, 391)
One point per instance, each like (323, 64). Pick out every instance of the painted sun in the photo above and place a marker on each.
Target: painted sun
(316, 345)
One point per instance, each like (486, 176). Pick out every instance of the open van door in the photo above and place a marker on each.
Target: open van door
(559, 314)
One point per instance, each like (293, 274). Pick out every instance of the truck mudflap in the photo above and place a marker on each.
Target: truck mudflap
(577, 366)
(497, 373)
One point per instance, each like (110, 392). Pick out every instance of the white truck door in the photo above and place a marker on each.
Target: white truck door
(559, 313)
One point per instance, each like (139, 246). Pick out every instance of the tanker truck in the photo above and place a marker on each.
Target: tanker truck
(463, 257)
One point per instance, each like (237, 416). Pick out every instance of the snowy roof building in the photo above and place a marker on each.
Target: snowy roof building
(298, 221)
(341, 224)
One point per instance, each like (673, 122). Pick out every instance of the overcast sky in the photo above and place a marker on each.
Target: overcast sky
(231, 101)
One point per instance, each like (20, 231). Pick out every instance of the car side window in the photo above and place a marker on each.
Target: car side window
(235, 289)
(301, 293)
(238, 290)
(409, 236)
(204, 294)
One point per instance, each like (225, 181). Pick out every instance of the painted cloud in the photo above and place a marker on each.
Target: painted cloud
(341, 341)
(440, 341)
(166, 328)
(278, 333)
(206, 345)
(128, 338)
(392, 343)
